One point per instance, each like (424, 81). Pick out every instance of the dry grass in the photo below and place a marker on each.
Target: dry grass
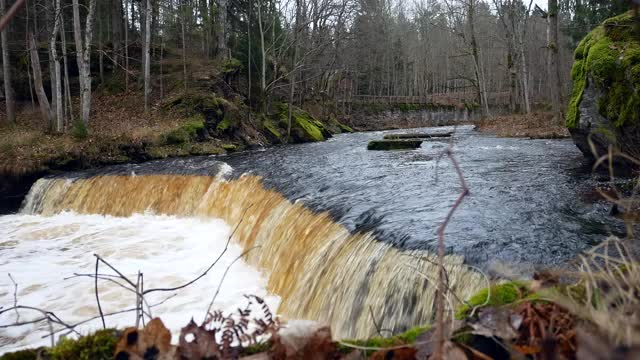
(541, 125)
(607, 293)
(116, 120)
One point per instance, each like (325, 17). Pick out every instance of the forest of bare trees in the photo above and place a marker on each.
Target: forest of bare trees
(57, 53)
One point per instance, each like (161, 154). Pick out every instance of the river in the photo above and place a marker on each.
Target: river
(373, 215)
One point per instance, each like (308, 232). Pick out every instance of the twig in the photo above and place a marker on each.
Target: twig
(224, 276)
(226, 247)
(104, 325)
(15, 297)
(440, 298)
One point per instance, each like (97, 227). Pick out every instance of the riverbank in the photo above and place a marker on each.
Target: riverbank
(537, 125)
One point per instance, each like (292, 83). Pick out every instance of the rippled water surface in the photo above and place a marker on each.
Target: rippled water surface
(527, 200)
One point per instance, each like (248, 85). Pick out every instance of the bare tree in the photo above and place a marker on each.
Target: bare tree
(147, 57)
(56, 96)
(222, 28)
(83, 54)
(553, 61)
(6, 71)
(45, 109)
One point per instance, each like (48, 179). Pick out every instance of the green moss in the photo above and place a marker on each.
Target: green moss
(608, 58)
(187, 132)
(79, 130)
(496, 295)
(229, 147)
(257, 348)
(28, 354)
(226, 124)
(97, 346)
(304, 127)
(407, 337)
(271, 128)
(345, 128)
(231, 65)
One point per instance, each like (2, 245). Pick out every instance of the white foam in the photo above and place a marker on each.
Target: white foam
(41, 251)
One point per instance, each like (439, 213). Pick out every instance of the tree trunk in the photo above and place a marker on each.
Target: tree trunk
(552, 49)
(6, 70)
(56, 96)
(481, 89)
(45, 109)
(263, 53)
(222, 32)
(184, 47)
(83, 54)
(116, 30)
(67, 88)
(126, 46)
(147, 57)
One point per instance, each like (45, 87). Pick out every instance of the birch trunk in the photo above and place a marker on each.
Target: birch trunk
(45, 109)
(56, 96)
(83, 54)
(6, 70)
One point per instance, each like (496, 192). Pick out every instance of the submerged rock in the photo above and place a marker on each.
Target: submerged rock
(418, 135)
(393, 144)
(605, 102)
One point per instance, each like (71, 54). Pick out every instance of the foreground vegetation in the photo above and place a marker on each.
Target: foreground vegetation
(595, 312)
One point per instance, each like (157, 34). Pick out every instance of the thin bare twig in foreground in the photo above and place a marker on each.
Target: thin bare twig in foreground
(104, 325)
(15, 297)
(224, 276)
(440, 298)
(226, 247)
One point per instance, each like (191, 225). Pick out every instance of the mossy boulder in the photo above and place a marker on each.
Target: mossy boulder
(220, 116)
(189, 131)
(304, 127)
(605, 100)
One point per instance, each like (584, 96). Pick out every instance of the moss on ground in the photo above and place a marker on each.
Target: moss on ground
(407, 337)
(608, 58)
(187, 132)
(496, 295)
(99, 345)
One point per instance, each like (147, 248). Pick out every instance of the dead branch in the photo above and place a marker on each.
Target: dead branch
(226, 247)
(224, 275)
(104, 325)
(15, 297)
(440, 296)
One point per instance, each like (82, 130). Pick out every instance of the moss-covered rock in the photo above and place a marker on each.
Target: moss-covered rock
(496, 295)
(189, 131)
(394, 144)
(605, 100)
(304, 127)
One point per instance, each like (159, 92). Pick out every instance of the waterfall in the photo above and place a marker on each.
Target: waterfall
(320, 270)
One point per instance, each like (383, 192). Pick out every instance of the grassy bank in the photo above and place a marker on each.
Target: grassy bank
(538, 125)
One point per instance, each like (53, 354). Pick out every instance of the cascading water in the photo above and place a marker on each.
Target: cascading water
(320, 270)
(343, 233)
